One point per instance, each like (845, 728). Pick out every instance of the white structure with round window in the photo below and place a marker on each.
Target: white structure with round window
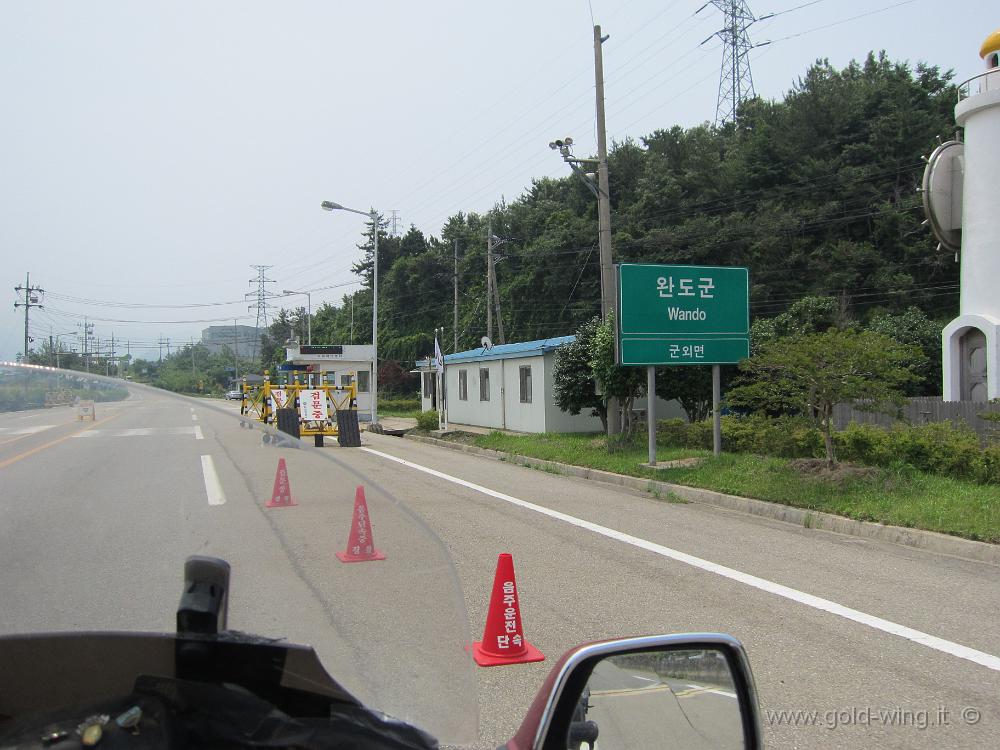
(969, 200)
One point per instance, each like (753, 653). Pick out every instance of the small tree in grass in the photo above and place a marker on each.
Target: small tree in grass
(811, 374)
(574, 379)
(622, 383)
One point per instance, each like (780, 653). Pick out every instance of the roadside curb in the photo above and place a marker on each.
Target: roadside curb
(930, 541)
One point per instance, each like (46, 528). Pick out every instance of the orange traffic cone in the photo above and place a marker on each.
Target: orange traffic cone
(360, 542)
(503, 638)
(281, 495)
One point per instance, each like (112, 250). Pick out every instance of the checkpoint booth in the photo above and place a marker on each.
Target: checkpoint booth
(342, 365)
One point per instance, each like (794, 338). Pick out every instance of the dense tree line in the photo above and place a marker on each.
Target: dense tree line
(815, 194)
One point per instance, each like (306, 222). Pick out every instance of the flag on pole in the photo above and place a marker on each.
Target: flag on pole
(438, 357)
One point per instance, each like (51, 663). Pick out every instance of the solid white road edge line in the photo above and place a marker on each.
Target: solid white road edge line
(213, 487)
(886, 626)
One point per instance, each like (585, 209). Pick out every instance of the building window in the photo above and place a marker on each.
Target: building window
(346, 379)
(524, 371)
(363, 377)
(995, 60)
(484, 384)
(428, 384)
(463, 385)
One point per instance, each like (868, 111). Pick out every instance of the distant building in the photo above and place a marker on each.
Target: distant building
(512, 387)
(242, 340)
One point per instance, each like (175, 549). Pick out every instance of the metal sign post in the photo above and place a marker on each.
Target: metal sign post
(682, 315)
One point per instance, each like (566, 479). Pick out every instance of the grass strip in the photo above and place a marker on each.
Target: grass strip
(898, 495)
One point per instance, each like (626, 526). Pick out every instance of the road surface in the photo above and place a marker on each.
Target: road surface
(828, 620)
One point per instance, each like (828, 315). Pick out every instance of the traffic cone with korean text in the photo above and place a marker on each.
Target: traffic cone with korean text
(281, 495)
(503, 638)
(360, 542)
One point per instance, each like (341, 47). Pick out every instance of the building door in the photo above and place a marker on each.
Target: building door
(973, 353)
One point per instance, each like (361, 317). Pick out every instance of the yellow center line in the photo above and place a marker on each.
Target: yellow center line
(43, 446)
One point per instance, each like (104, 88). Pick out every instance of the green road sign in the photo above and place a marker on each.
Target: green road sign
(682, 315)
(705, 350)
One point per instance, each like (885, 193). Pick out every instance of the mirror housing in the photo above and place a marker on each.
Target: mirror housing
(554, 717)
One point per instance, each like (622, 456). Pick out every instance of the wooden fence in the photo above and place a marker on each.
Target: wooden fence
(924, 411)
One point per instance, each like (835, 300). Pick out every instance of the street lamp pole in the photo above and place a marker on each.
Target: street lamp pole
(373, 215)
(309, 314)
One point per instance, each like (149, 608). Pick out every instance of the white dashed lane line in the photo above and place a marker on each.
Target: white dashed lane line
(213, 487)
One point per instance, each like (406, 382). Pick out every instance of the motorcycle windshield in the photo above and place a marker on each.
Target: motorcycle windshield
(109, 485)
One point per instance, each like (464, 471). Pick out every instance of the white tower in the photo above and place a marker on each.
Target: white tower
(962, 200)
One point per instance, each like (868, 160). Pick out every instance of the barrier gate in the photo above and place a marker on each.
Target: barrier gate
(317, 406)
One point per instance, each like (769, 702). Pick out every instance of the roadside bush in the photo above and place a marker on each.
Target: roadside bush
(940, 448)
(787, 437)
(427, 421)
(399, 404)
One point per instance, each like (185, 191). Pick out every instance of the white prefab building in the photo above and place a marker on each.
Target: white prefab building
(511, 387)
(341, 364)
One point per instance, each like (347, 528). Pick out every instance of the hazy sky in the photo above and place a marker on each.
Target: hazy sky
(150, 152)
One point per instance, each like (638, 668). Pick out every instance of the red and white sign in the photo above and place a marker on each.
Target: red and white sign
(312, 405)
(279, 399)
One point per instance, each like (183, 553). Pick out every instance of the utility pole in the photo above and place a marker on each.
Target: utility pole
(236, 352)
(489, 281)
(30, 301)
(192, 358)
(609, 292)
(496, 298)
(88, 329)
(454, 324)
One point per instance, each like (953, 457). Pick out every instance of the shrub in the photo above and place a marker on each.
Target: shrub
(427, 421)
(399, 404)
(939, 448)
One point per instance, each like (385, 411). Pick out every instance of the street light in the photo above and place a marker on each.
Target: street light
(309, 315)
(373, 215)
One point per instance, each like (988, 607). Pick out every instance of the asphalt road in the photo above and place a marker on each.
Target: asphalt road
(95, 528)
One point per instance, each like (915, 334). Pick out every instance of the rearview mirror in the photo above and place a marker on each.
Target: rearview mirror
(690, 691)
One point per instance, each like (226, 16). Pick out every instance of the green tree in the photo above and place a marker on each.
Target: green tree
(690, 385)
(574, 384)
(914, 327)
(812, 373)
(623, 383)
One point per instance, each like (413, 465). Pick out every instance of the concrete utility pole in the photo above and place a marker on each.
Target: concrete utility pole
(600, 189)
(454, 324)
(236, 351)
(609, 291)
(88, 328)
(30, 301)
(496, 299)
(489, 281)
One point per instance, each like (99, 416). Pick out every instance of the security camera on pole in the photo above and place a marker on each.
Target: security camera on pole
(609, 297)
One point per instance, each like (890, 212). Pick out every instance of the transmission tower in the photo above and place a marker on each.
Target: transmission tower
(395, 224)
(735, 79)
(260, 296)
